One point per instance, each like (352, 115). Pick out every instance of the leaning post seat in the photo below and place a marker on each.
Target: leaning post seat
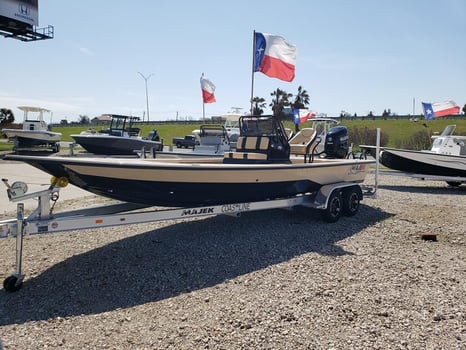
(303, 143)
(249, 149)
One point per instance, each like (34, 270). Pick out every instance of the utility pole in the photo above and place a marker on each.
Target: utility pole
(147, 95)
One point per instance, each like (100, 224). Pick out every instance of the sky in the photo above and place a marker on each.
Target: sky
(356, 56)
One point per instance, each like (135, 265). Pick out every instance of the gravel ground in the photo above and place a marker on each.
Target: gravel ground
(278, 279)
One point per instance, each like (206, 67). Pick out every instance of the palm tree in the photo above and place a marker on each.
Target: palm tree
(301, 100)
(6, 116)
(281, 99)
(259, 105)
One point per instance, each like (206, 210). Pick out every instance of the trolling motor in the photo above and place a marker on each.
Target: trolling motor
(336, 142)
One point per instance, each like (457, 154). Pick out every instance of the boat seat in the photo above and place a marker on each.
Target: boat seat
(247, 157)
(304, 143)
(249, 149)
(252, 143)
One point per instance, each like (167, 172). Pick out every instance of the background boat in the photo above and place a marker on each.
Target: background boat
(121, 138)
(35, 133)
(447, 156)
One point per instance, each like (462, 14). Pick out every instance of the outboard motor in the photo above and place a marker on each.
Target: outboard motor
(336, 142)
(154, 136)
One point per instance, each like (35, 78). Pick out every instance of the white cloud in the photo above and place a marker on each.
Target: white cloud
(86, 51)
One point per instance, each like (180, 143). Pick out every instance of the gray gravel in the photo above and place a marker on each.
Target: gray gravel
(279, 279)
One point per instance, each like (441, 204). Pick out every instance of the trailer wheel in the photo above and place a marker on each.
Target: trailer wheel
(10, 284)
(454, 183)
(351, 200)
(334, 207)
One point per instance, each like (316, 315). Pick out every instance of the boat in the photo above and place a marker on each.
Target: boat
(231, 126)
(260, 168)
(446, 158)
(121, 138)
(213, 139)
(35, 133)
(322, 125)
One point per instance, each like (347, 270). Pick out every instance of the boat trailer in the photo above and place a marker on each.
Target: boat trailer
(334, 200)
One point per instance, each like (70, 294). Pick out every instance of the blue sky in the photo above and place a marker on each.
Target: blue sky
(357, 56)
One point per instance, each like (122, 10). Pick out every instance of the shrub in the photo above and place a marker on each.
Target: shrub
(420, 140)
(366, 136)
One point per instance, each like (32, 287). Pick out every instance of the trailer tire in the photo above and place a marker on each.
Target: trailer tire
(334, 207)
(454, 183)
(351, 200)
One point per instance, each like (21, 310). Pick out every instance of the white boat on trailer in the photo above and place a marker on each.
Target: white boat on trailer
(445, 161)
(258, 175)
(35, 133)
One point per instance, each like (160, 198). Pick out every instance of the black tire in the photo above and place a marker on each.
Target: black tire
(351, 200)
(334, 207)
(454, 183)
(9, 284)
(178, 145)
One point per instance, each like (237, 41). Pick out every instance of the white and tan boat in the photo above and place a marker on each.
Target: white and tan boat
(263, 166)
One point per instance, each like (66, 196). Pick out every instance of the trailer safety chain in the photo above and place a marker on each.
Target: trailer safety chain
(54, 196)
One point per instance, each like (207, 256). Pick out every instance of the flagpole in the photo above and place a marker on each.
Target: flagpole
(252, 68)
(203, 103)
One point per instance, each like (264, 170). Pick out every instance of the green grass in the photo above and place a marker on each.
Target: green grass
(401, 129)
(166, 131)
(397, 130)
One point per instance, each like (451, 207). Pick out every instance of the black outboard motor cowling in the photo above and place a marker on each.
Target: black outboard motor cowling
(336, 142)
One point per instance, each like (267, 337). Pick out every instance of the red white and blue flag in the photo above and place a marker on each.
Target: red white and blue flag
(439, 109)
(208, 89)
(302, 115)
(274, 56)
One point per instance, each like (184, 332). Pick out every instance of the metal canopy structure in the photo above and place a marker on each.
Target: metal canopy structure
(10, 29)
(19, 19)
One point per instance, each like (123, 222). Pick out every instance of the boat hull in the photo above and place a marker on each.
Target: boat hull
(26, 138)
(424, 162)
(115, 145)
(176, 183)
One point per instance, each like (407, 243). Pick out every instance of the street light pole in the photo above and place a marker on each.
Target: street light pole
(147, 95)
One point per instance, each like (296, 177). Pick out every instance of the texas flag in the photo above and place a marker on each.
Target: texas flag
(302, 115)
(208, 89)
(439, 109)
(274, 57)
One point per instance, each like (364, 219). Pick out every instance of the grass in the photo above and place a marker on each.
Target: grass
(397, 130)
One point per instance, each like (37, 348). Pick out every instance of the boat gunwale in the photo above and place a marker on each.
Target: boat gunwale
(180, 163)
